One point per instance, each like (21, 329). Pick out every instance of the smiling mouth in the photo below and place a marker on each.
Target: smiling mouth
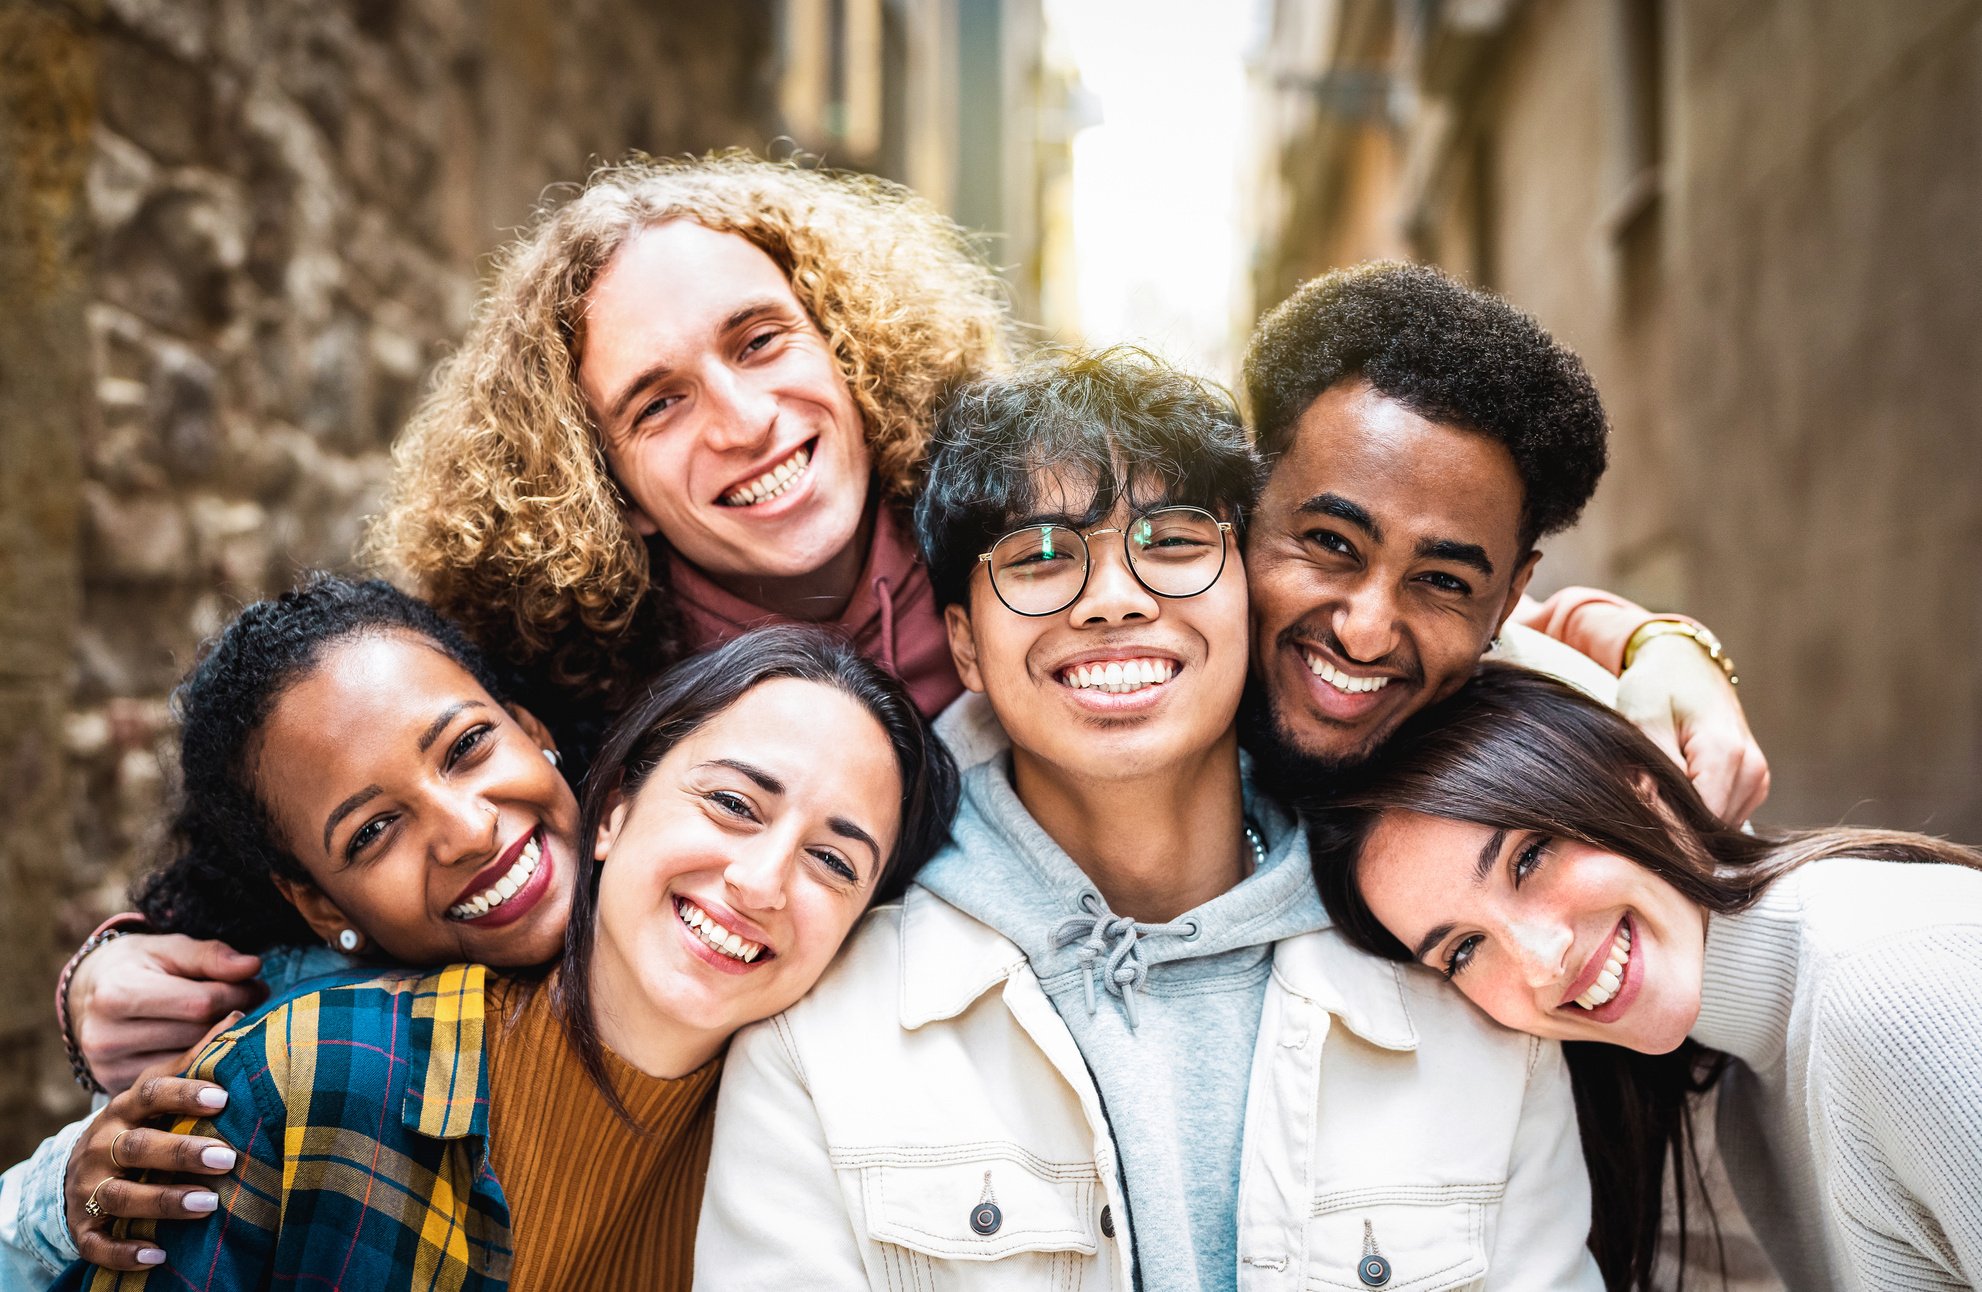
(718, 938)
(1343, 682)
(1605, 988)
(773, 483)
(1119, 676)
(505, 887)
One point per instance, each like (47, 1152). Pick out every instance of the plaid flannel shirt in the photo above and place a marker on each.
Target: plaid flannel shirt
(360, 1112)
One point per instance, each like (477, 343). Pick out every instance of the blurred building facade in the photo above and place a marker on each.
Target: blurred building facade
(1760, 223)
(234, 238)
(965, 101)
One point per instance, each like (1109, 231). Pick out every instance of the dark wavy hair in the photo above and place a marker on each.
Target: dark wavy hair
(686, 698)
(1121, 418)
(216, 878)
(1450, 354)
(1519, 751)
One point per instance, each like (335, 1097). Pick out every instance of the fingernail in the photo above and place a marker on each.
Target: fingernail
(220, 1159)
(150, 1256)
(203, 1200)
(212, 1097)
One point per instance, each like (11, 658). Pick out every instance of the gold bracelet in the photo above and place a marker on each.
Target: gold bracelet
(1701, 635)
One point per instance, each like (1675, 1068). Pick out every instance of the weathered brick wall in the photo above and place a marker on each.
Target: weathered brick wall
(275, 236)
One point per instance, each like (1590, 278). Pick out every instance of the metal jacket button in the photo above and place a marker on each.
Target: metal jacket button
(1107, 1222)
(1375, 1271)
(985, 1218)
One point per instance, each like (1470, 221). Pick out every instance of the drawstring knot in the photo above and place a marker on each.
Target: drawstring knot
(1110, 950)
(885, 595)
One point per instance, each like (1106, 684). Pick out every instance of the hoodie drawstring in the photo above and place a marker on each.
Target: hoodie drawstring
(1121, 969)
(885, 596)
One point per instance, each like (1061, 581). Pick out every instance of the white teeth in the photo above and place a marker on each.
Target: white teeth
(771, 483)
(1120, 676)
(503, 889)
(1341, 681)
(1600, 992)
(718, 937)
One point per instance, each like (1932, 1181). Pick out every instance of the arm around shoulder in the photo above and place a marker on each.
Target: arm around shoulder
(235, 1246)
(774, 1213)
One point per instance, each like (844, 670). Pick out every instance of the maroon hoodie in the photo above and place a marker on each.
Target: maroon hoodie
(891, 619)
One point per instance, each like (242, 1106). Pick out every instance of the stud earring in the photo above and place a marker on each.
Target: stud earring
(348, 940)
(557, 759)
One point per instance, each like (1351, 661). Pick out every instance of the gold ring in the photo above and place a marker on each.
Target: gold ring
(93, 1207)
(113, 1147)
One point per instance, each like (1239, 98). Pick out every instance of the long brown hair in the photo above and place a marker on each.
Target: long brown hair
(1519, 751)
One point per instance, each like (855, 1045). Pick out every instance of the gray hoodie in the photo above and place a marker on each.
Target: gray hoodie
(1165, 1014)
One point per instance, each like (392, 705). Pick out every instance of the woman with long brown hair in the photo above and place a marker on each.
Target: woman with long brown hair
(1544, 856)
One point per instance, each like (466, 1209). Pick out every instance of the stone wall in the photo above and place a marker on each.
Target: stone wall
(252, 227)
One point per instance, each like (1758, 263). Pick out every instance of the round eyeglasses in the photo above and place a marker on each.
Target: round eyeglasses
(1172, 551)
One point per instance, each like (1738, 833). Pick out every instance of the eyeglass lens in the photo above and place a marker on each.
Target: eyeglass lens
(1174, 551)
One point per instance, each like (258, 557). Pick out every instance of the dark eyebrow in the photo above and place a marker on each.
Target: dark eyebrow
(1430, 940)
(1489, 854)
(439, 724)
(848, 830)
(765, 781)
(346, 808)
(650, 375)
(1446, 549)
(1334, 504)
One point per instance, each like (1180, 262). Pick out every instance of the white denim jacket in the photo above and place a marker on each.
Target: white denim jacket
(923, 1120)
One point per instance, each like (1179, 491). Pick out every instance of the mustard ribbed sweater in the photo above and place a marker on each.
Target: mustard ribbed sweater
(593, 1202)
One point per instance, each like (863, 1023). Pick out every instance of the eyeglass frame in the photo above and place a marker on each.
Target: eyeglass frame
(1224, 556)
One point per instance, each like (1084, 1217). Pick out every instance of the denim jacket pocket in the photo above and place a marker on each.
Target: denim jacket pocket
(979, 1202)
(1402, 1238)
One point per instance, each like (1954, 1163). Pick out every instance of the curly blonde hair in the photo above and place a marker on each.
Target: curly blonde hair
(502, 510)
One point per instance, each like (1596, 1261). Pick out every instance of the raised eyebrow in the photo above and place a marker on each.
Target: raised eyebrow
(848, 830)
(346, 808)
(1342, 509)
(1438, 934)
(764, 780)
(1448, 549)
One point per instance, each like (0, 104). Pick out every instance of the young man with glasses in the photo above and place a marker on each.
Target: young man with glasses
(1106, 1041)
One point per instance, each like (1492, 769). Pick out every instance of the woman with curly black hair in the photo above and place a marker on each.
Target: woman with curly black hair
(354, 792)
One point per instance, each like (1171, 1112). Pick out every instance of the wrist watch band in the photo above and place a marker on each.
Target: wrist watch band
(1700, 634)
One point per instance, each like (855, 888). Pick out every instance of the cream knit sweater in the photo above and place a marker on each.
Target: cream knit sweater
(1852, 1125)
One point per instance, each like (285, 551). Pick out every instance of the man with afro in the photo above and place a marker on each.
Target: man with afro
(1422, 437)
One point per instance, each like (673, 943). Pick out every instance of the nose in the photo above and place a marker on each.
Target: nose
(1366, 624)
(467, 828)
(740, 412)
(1113, 594)
(1542, 948)
(757, 876)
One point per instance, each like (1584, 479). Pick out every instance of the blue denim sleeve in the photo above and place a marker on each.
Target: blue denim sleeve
(35, 1242)
(285, 969)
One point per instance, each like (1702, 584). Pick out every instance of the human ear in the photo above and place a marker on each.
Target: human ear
(616, 812)
(324, 916)
(534, 728)
(1516, 587)
(963, 647)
